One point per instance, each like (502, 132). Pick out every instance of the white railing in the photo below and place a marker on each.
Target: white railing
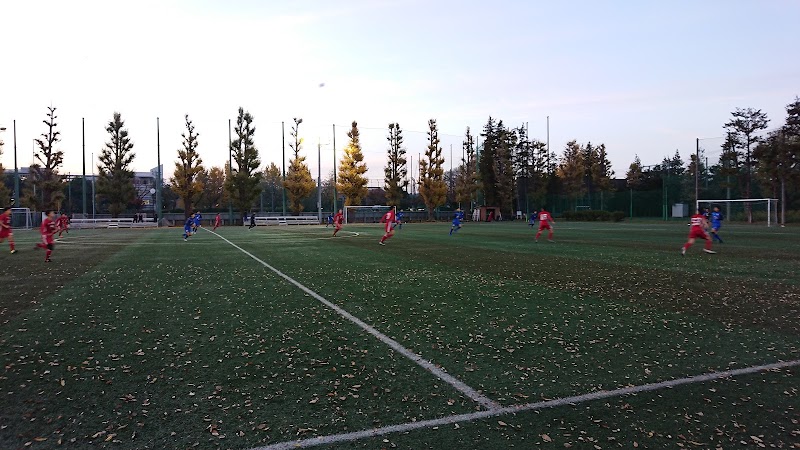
(124, 222)
(284, 220)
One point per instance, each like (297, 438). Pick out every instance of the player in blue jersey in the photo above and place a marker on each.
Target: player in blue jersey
(330, 221)
(532, 218)
(398, 220)
(716, 223)
(187, 228)
(196, 222)
(457, 218)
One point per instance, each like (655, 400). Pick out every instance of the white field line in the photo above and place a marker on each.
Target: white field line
(449, 420)
(469, 392)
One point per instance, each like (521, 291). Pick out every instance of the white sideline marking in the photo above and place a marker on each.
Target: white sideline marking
(599, 395)
(484, 401)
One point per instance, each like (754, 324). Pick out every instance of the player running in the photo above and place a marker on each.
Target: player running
(716, 223)
(457, 218)
(6, 232)
(62, 223)
(252, 221)
(398, 220)
(388, 219)
(196, 222)
(217, 222)
(698, 231)
(329, 221)
(337, 221)
(545, 223)
(187, 228)
(47, 230)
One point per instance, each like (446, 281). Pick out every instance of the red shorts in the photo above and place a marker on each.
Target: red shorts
(544, 226)
(5, 232)
(338, 226)
(388, 227)
(47, 240)
(697, 233)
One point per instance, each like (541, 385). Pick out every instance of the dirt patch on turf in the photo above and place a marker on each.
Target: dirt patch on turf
(27, 280)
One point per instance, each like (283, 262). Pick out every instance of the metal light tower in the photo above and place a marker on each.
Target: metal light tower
(158, 171)
(16, 169)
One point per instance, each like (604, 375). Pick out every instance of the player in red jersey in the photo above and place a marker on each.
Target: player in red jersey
(388, 219)
(47, 230)
(217, 222)
(545, 223)
(62, 223)
(5, 229)
(698, 223)
(337, 221)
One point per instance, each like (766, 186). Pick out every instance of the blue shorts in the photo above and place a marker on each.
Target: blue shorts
(456, 223)
(716, 225)
(187, 230)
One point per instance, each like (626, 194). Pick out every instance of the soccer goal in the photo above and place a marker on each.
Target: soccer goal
(762, 210)
(21, 218)
(365, 214)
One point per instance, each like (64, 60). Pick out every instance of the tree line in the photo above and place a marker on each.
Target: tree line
(501, 167)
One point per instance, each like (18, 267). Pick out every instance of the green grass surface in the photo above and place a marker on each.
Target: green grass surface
(136, 339)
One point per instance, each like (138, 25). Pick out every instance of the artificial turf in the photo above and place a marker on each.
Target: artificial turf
(136, 339)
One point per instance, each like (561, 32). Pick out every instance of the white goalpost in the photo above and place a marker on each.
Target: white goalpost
(736, 210)
(21, 218)
(365, 214)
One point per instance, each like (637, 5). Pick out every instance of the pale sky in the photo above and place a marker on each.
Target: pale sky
(642, 77)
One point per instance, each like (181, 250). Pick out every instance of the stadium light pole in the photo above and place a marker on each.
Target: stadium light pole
(83, 157)
(158, 171)
(16, 169)
(334, 169)
(230, 171)
(283, 165)
(319, 181)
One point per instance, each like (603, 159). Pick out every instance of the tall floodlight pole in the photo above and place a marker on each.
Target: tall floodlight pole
(83, 156)
(697, 171)
(334, 169)
(319, 182)
(230, 171)
(283, 163)
(158, 172)
(16, 169)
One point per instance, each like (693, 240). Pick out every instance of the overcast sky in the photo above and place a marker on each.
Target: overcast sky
(642, 77)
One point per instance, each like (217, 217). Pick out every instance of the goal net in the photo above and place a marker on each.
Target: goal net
(752, 210)
(365, 214)
(21, 218)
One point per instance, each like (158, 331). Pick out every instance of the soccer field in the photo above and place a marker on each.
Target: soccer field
(281, 337)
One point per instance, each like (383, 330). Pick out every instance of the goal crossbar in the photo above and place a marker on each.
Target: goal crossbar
(377, 212)
(768, 201)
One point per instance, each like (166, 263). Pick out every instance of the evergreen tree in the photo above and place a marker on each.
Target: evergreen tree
(299, 183)
(746, 123)
(487, 161)
(45, 172)
(539, 173)
(572, 170)
(115, 179)
(187, 181)
(351, 182)
(395, 180)
(467, 183)
(243, 185)
(272, 184)
(432, 187)
(634, 176)
(504, 168)
(601, 172)
(729, 165)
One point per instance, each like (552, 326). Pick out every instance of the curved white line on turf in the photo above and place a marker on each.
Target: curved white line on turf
(469, 392)
(449, 420)
(354, 234)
